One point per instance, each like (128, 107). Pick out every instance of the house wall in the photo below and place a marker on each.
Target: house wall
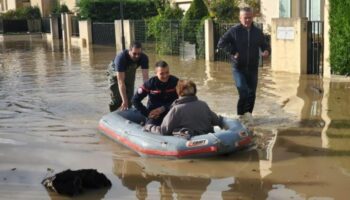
(326, 53)
(45, 6)
(2, 6)
(289, 53)
(269, 9)
(11, 5)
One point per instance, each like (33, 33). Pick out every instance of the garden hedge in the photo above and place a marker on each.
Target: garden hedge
(109, 10)
(339, 19)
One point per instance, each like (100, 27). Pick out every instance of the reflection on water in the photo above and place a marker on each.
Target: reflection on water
(192, 179)
(51, 100)
(135, 179)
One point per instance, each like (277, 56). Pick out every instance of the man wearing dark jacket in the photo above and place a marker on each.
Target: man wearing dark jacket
(161, 92)
(243, 42)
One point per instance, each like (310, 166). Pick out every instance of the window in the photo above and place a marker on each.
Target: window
(285, 9)
(313, 10)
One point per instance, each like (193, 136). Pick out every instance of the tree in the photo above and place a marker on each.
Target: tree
(192, 19)
(160, 27)
(58, 9)
(23, 13)
(223, 10)
(255, 4)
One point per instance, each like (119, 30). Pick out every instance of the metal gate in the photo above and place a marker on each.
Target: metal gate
(315, 43)
(103, 33)
(75, 26)
(172, 38)
(45, 25)
(59, 22)
(13, 25)
(219, 30)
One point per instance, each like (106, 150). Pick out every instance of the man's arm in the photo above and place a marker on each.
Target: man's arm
(265, 48)
(145, 75)
(227, 42)
(155, 113)
(122, 90)
(141, 93)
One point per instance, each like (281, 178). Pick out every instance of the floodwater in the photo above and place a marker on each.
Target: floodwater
(51, 100)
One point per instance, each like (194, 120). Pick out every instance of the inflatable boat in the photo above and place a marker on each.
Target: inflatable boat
(125, 128)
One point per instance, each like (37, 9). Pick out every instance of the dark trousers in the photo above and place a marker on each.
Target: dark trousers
(158, 121)
(246, 80)
(116, 99)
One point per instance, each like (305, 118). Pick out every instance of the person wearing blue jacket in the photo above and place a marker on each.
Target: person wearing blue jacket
(244, 42)
(161, 92)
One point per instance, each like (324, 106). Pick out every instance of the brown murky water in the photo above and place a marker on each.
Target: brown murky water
(51, 100)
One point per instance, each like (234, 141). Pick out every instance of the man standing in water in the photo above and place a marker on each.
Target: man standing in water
(122, 75)
(243, 42)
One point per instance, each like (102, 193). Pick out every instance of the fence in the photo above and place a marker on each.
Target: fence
(141, 31)
(34, 25)
(75, 26)
(1, 26)
(315, 47)
(20, 25)
(45, 25)
(59, 22)
(172, 38)
(103, 33)
(219, 30)
(13, 26)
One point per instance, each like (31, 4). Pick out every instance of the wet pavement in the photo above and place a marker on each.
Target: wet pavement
(51, 100)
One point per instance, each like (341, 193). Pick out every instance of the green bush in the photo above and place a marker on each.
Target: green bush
(109, 10)
(192, 19)
(200, 40)
(197, 11)
(161, 28)
(224, 10)
(161, 3)
(58, 9)
(23, 13)
(339, 16)
(255, 4)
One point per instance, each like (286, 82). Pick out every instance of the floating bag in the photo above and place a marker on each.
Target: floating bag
(75, 182)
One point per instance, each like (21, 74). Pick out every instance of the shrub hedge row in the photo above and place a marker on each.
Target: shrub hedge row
(339, 19)
(22, 13)
(109, 10)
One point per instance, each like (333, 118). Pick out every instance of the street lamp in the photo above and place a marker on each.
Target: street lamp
(122, 18)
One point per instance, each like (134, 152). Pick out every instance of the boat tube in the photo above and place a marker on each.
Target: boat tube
(125, 128)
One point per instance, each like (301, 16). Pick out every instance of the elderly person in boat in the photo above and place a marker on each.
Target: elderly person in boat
(188, 115)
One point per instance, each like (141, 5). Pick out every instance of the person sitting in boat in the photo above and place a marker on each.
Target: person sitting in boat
(161, 92)
(188, 115)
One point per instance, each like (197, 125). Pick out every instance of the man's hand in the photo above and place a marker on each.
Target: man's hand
(235, 56)
(155, 113)
(265, 54)
(124, 106)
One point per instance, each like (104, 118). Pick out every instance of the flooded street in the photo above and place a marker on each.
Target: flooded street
(51, 100)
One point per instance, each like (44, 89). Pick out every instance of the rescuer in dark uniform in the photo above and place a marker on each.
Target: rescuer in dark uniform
(161, 92)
